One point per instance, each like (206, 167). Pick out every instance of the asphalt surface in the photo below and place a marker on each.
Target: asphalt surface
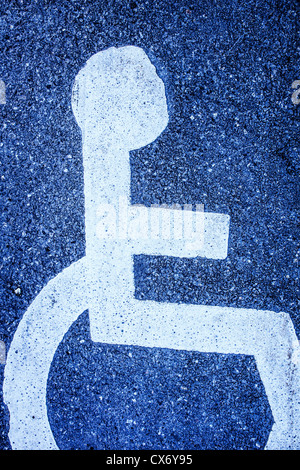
(232, 144)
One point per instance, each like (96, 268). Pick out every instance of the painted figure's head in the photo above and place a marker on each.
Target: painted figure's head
(119, 97)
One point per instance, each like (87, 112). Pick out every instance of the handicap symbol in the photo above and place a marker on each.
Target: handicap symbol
(120, 105)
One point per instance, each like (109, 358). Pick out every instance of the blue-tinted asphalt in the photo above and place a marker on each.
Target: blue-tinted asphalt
(232, 144)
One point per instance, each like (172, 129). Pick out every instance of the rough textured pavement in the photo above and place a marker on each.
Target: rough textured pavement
(232, 144)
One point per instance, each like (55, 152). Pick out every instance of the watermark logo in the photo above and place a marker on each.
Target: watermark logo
(2, 352)
(2, 92)
(296, 94)
(125, 221)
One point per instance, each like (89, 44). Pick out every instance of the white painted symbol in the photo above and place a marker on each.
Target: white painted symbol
(120, 104)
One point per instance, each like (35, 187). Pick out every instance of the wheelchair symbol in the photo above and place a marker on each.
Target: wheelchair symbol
(119, 103)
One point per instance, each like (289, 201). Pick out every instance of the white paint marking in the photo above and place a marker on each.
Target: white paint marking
(38, 335)
(120, 104)
(189, 232)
